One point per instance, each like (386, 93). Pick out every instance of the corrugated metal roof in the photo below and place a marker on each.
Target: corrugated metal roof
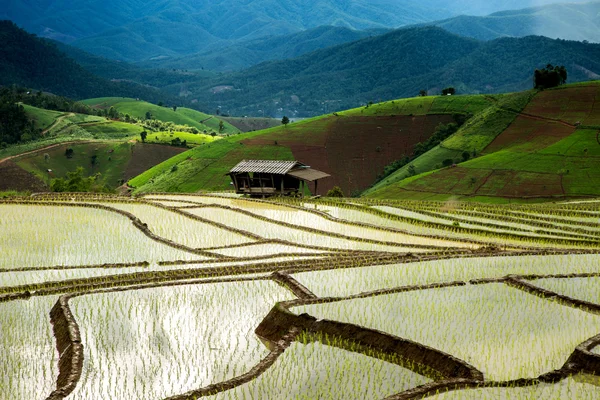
(308, 174)
(266, 166)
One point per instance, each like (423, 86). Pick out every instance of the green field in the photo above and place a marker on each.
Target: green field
(190, 138)
(548, 150)
(182, 116)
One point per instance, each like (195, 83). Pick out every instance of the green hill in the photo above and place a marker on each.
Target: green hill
(547, 149)
(180, 116)
(533, 145)
(42, 119)
(111, 148)
(354, 146)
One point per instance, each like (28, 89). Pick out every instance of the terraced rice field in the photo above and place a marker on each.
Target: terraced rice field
(212, 296)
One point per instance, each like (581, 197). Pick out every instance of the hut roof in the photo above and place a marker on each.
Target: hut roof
(266, 166)
(291, 168)
(308, 174)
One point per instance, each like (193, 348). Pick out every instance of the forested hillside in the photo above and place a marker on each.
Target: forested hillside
(397, 64)
(252, 52)
(28, 61)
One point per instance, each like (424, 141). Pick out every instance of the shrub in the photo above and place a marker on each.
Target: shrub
(447, 162)
(336, 191)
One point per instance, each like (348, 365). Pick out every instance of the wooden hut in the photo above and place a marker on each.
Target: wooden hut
(273, 178)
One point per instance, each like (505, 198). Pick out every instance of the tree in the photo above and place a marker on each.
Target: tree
(143, 135)
(285, 120)
(447, 162)
(76, 182)
(221, 126)
(336, 191)
(448, 91)
(466, 155)
(148, 115)
(549, 77)
(423, 93)
(113, 113)
(175, 108)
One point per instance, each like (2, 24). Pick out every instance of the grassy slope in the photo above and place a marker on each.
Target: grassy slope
(111, 170)
(204, 168)
(42, 118)
(183, 116)
(98, 136)
(113, 159)
(542, 154)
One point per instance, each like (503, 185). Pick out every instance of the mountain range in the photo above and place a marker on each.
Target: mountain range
(31, 62)
(397, 64)
(572, 21)
(400, 63)
(134, 30)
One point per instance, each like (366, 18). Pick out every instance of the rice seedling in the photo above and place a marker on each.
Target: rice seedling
(259, 250)
(581, 387)
(587, 289)
(33, 236)
(350, 281)
(159, 342)
(504, 332)
(168, 292)
(29, 366)
(317, 371)
(178, 228)
(273, 230)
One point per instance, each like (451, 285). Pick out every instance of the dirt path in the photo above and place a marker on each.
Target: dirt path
(56, 122)
(46, 148)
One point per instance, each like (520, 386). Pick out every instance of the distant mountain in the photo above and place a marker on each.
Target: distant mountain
(123, 71)
(565, 21)
(252, 52)
(29, 61)
(134, 30)
(397, 64)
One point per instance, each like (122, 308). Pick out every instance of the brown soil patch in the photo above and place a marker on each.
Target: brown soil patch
(13, 177)
(530, 133)
(359, 148)
(570, 104)
(354, 150)
(146, 156)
